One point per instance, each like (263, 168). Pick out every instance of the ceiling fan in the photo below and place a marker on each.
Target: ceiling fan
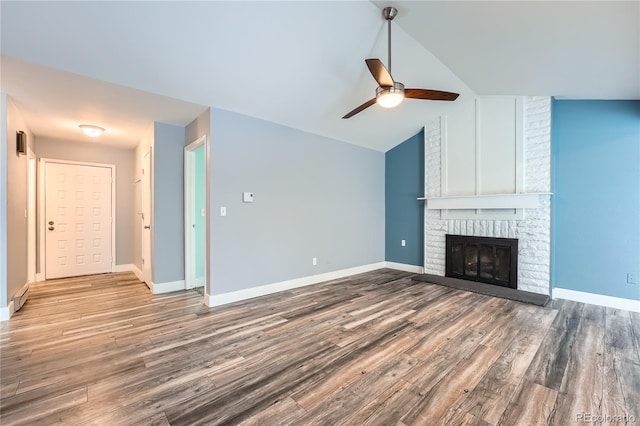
(391, 93)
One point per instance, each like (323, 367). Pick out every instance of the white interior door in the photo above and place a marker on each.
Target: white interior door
(146, 217)
(78, 219)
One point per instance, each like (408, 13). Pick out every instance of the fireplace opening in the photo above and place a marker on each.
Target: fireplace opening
(483, 259)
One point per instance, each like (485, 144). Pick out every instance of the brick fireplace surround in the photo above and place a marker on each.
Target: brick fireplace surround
(533, 233)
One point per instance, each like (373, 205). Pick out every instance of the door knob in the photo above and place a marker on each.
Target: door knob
(51, 228)
(147, 227)
(50, 222)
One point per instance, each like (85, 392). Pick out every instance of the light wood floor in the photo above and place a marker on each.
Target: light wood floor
(377, 348)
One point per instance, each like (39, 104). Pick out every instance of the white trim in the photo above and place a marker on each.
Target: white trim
(126, 267)
(200, 281)
(146, 189)
(168, 287)
(495, 201)
(426, 183)
(189, 211)
(404, 267)
(519, 138)
(42, 206)
(444, 180)
(249, 293)
(6, 313)
(597, 299)
(42, 225)
(32, 215)
(477, 146)
(138, 273)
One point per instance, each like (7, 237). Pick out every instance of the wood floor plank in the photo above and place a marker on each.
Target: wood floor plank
(490, 398)
(548, 367)
(621, 375)
(533, 405)
(442, 398)
(376, 348)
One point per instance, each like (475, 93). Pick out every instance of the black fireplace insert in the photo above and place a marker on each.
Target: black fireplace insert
(483, 259)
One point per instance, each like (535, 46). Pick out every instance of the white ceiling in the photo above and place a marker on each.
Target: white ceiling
(301, 64)
(55, 103)
(567, 49)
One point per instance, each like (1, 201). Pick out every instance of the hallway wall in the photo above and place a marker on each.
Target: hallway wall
(14, 169)
(124, 162)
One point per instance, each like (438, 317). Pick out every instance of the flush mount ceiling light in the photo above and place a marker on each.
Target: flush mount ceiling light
(91, 131)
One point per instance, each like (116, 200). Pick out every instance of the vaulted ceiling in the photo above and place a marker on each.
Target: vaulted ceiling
(122, 65)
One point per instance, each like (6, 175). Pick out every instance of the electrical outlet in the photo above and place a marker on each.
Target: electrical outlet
(314, 261)
(403, 243)
(631, 278)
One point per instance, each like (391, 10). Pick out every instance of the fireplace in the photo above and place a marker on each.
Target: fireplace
(482, 259)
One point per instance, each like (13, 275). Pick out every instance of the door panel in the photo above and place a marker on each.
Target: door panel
(78, 220)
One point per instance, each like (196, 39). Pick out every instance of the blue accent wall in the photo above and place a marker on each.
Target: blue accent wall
(596, 202)
(404, 215)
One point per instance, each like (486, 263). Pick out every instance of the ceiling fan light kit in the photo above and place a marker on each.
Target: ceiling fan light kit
(389, 97)
(391, 93)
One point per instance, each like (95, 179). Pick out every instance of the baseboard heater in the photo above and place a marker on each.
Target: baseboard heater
(20, 298)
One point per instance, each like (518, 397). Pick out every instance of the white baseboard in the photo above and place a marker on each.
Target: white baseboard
(404, 267)
(597, 299)
(40, 276)
(168, 287)
(6, 313)
(249, 293)
(128, 267)
(199, 282)
(138, 273)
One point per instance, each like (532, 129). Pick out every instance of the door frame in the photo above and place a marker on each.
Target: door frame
(189, 204)
(42, 204)
(32, 216)
(146, 191)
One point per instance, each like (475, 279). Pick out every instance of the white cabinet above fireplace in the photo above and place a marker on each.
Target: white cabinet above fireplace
(482, 162)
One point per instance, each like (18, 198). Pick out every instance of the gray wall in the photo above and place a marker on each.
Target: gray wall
(201, 125)
(168, 203)
(314, 197)
(15, 185)
(123, 159)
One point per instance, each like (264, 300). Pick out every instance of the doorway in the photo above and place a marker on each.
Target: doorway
(146, 221)
(78, 218)
(195, 214)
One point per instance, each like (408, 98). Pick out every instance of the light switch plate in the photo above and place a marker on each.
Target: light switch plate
(247, 197)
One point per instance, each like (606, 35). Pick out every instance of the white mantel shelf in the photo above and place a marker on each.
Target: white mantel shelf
(494, 201)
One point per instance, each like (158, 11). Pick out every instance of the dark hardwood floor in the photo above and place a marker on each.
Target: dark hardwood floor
(376, 348)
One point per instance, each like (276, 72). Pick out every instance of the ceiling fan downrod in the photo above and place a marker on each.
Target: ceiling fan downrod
(389, 13)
